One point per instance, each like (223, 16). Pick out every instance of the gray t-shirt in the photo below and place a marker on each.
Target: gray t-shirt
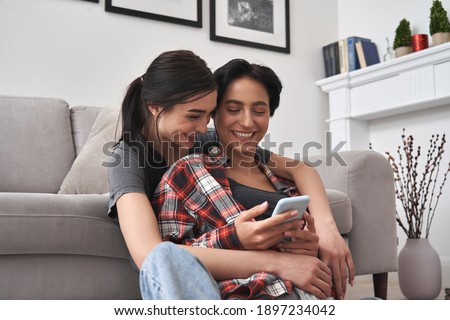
(128, 173)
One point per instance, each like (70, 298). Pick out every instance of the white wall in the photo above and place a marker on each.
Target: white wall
(74, 50)
(377, 20)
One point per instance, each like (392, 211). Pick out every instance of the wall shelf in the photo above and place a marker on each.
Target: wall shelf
(414, 82)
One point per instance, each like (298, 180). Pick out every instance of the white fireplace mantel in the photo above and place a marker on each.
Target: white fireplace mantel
(417, 81)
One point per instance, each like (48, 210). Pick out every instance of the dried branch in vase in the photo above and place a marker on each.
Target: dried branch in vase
(418, 191)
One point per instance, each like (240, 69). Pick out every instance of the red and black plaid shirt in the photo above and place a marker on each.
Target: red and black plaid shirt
(195, 207)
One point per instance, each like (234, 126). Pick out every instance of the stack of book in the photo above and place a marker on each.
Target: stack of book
(348, 55)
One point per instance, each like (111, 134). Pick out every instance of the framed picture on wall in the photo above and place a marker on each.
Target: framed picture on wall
(262, 24)
(186, 12)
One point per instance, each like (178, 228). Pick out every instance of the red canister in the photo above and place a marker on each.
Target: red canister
(419, 42)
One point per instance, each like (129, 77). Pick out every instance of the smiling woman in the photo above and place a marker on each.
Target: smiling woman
(161, 113)
(206, 200)
(176, 126)
(242, 119)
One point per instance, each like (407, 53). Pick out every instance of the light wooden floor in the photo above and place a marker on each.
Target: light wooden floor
(363, 287)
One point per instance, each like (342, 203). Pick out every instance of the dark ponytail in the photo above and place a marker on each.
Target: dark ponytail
(133, 113)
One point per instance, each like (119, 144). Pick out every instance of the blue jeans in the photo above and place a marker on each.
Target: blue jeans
(170, 272)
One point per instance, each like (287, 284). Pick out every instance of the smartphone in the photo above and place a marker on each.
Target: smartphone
(299, 203)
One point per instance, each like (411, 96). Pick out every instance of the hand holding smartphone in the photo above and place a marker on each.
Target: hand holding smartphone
(299, 203)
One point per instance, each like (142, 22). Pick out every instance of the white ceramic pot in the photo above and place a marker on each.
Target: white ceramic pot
(419, 270)
(401, 51)
(440, 37)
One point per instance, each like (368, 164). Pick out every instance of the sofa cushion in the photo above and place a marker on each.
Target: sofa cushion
(42, 223)
(87, 174)
(341, 207)
(82, 119)
(36, 142)
(67, 277)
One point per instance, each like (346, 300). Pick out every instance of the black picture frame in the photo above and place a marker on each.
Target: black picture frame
(136, 12)
(275, 37)
(95, 1)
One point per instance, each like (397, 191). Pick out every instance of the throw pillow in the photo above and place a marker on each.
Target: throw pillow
(87, 175)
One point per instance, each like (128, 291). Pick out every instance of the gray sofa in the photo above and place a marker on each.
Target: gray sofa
(56, 241)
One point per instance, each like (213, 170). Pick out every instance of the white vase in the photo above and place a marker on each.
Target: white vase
(419, 270)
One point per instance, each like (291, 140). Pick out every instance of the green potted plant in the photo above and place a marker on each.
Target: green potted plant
(439, 24)
(402, 40)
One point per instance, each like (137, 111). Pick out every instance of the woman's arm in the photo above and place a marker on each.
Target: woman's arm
(140, 230)
(333, 249)
(138, 225)
(306, 272)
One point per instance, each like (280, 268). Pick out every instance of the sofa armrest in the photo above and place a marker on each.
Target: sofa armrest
(367, 179)
(43, 223)
(341, 207)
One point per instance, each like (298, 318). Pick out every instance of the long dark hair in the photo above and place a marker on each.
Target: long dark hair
(239, 68)
(174, 77)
